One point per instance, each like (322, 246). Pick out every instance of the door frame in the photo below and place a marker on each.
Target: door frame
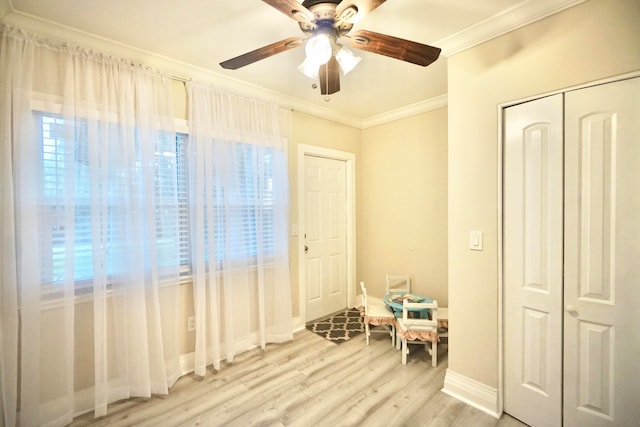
(350, 209)
(500, 116)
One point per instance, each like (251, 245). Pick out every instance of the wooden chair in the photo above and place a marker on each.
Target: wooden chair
(377, 314)
(412, 330)
(398, 283)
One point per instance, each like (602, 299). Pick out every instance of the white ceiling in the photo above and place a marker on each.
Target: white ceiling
(203, 33)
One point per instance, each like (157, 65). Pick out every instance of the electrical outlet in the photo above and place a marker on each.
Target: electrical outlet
(191, 323)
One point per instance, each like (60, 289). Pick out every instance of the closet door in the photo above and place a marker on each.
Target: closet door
(532, 261)
(602, 255)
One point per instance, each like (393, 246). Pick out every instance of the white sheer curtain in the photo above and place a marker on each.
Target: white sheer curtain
(239, 223)
(89, 220)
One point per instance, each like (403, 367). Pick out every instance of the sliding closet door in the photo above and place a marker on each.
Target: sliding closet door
(602, 256)
(532, 260)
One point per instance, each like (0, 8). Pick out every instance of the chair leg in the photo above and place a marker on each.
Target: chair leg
(404, 351)
(393, 336)
(434, 353)
(366, 332)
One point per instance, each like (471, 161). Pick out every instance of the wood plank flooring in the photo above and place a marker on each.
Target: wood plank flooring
(309, 382)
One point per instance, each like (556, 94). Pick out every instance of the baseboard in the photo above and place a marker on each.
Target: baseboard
(472, 392)
(187, 361)
(298, 324)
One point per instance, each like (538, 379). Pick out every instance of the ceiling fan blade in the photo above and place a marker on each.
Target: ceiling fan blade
(261, 53)
(362, 8)
(394, 47)
(329, 77)
(292, 9)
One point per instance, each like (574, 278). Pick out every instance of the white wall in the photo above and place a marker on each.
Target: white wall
(591, 41)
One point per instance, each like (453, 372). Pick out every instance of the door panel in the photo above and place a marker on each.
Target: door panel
(325, 231)
(312, 233)
(532, 264)
(602, 255)
(601, 344)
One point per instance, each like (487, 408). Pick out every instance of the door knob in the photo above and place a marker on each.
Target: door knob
(306, 248)
(572, 311)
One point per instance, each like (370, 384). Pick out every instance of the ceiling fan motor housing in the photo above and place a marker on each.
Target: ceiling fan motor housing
(325, 19)
(310, 3)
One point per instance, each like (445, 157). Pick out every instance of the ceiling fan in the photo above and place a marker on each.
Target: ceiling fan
(324, 22)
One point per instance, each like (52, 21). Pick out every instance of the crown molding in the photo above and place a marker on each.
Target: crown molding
(407, 111)
(173, 66)
(506, 21)
(518, 16)
(501, 23)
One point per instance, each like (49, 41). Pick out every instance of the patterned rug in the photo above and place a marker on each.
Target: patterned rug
(338, 327)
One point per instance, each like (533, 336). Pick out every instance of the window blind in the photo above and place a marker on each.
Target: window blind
(243, 205)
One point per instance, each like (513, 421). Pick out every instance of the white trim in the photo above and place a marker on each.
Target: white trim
(472, 393)
(350, 181)
(617, 78)
(500, 391)
(322, 112)
(501, 23)
(407, 111)
(187, 361)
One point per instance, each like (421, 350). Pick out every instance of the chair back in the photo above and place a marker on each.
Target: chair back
(378, 314)
(398, 283)
(419, 330)
(420, 324)
(364, 298)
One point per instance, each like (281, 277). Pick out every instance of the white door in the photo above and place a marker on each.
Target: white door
(325, 236)
(602, 256)
(532, 245)
(596, 361)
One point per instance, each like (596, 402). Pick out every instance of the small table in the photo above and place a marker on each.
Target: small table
(396, 305)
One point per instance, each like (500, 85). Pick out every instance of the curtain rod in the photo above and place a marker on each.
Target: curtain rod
(180, 78)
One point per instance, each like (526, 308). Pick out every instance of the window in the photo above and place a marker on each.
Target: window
(244, 206)
(172, 198)
(63, 166)
(81, 194)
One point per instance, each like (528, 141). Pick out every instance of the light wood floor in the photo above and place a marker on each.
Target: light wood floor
(309, 382)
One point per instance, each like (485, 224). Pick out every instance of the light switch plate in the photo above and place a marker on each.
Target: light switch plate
(475, 240)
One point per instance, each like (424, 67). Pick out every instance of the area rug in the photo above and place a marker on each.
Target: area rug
(338, 327)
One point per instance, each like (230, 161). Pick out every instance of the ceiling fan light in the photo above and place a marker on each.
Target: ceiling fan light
(347, 60)
(318, 49)
(310, 69)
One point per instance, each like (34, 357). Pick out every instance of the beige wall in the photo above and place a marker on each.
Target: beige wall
(591, 41)
(4, 7)
(402, 201)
